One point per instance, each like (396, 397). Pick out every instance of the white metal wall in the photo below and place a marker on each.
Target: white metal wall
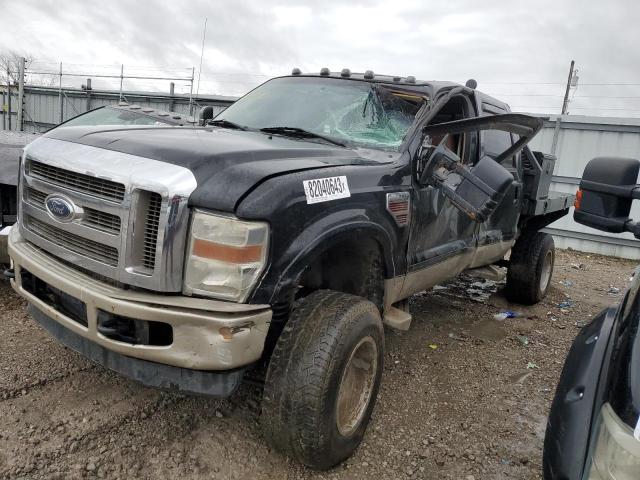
(578, 140)
(42, 104)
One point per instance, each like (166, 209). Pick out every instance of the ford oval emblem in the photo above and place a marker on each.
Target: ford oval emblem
(59, 208)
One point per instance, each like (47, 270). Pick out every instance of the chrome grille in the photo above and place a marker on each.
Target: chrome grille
(36, 197)
(103, 221)
(79, 182)
(77, 244)
(152, 222)
(131, 214)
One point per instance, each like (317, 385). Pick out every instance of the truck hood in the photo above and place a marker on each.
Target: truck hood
(227, 164)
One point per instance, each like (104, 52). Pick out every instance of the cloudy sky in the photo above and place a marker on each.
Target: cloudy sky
(518, 50)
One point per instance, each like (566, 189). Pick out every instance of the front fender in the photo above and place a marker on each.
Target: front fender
(313, 241)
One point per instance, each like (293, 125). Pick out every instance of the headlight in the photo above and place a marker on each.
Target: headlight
(226, 256)
(617, 452)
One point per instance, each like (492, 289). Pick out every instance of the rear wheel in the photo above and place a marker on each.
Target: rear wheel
(530, 268)
(323, 378)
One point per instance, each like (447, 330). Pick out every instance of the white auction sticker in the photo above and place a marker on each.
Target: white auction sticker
(326, 189)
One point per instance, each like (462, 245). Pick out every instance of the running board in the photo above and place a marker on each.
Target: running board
(489, 272)
(397, 318)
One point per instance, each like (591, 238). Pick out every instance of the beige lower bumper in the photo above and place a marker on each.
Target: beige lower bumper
(207, 334)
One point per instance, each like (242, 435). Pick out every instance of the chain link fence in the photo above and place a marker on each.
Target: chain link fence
(35, 99)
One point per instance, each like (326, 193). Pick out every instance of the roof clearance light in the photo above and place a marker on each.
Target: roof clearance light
(368, 75)
(296, 71)
(410, 79)
(324, 71)
(345, 72)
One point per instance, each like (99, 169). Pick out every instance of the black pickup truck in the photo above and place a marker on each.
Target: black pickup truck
(593, 429)
(280, 237)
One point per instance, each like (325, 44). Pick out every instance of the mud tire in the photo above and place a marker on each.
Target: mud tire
(530, 268)
(306, 371)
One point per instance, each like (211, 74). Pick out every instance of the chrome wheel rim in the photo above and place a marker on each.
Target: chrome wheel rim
(547, 267)
(356, 386)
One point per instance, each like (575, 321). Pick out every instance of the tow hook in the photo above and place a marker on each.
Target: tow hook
(9, 273)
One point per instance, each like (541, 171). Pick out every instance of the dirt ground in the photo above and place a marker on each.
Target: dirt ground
(464, 396)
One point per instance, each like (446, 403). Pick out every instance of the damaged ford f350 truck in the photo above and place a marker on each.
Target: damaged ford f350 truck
(281, 235)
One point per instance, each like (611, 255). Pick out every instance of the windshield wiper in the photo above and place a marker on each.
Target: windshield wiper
(296, 132)
(221, 122)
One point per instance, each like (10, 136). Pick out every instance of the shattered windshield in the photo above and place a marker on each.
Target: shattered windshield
(361, 113)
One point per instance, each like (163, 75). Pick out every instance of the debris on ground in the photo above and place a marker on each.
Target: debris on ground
(566, 283)
(566, 304)
(613, 290)
(578, 266)
(508, 314)
(60, 414)
(531, 365)
(433, 346)
(524, 340)
(470, 288)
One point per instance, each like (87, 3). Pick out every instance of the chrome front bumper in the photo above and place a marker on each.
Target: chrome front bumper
(207, 334)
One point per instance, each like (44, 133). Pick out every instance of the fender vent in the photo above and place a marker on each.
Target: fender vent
(399, 205)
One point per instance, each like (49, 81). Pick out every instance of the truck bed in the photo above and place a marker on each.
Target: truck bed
(554, 202)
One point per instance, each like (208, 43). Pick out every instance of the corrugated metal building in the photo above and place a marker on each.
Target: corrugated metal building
(575, 140)
(42, 104)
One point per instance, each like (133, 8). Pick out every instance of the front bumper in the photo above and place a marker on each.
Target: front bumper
(207, 334)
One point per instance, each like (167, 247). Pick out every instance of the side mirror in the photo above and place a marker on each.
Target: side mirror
(433, 157)
(206, 114)
(607, 189)
(477, 191)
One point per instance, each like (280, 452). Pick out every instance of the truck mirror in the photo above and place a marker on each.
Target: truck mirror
(477, 191)
(607, 189)
(432, 157)
(206, 114)
(480, 189)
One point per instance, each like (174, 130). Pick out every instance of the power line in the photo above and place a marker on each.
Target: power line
(604, 96)
(520, 83)
(523, 95)
(611, 84)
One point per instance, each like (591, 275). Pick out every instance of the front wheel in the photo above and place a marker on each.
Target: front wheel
(530, 268)
(323, 378)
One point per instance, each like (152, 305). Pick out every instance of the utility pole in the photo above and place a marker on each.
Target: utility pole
(121, 79)
(193, 71)
(20, 125)
(9, 97)
(88, 90)
(204, 35)
(60, 98)
(565, 103)
(172, 91)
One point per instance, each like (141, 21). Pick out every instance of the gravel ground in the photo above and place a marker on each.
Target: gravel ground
(464, 396)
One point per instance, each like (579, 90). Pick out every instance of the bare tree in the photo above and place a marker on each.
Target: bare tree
(10, 65)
